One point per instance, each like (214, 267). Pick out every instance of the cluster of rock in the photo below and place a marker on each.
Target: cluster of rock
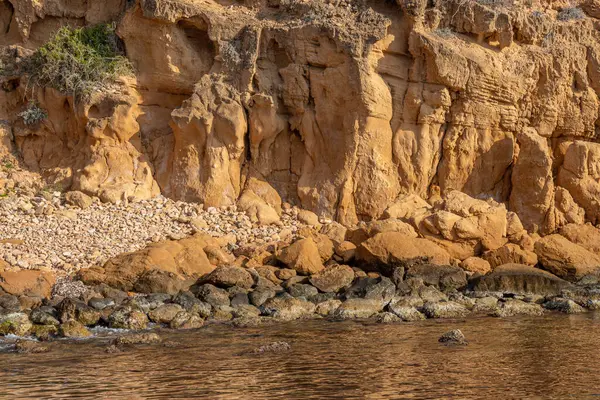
(249, 297)
(448, 259)
(67, 232)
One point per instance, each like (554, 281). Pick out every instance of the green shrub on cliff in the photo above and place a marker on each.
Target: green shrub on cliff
(79, 61)
(33, 114)
(570, 14)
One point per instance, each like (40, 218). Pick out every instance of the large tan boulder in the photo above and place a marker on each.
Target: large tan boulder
(184, 260)
(510, 254)
(333, 278)
(228, 276)
(393, 247)
(476, 264)
(302, 256)
(390, 225)
(405, 207)
(587, 236)
(325, 245)
(27, 282)
(564, 258)
(335, 232)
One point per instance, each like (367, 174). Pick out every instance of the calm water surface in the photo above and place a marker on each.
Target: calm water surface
(552, 357)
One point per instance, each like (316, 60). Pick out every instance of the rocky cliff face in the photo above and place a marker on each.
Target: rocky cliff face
(346, 108)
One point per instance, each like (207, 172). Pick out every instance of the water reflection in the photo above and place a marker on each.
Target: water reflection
(548, 357)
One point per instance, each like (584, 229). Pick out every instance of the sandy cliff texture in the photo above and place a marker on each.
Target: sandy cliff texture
(354, 110)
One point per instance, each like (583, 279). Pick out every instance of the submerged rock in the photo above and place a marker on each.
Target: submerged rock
(275, 347)
(138, 338)
(30, 347)
(453, 337)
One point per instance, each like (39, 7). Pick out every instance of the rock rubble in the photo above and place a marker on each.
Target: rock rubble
(44, 232)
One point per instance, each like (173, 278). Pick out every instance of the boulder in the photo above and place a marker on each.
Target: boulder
(446, 277)
(27, 282)
(191, 304)
(128, 318)
(486, 305)
(212, 295)
(302, 290)
(10, 303)
(513, 307)
(405, 312)
(566, 306)
(287, 308)
(157, 281)
(41, 317)
(185, 320)
(228, 276)
(44, 332)
(184, 258)
(15, 323)
(453, 337)
(387, 318)
(328, 307)
(406, 206)
(73, 329)
(519, 279)
(78, 199)
(390, 225)
(564, 258)
(324, 244)
(447, 309)
(335, 232)
(333, 278)
(165, 313)
(346, 251)
(476, 265)
(586, 236)
(358, 308)
(260, 295)
(510, 254)
(285, 273)
(393, 248)
(302, 256)
(308, 217)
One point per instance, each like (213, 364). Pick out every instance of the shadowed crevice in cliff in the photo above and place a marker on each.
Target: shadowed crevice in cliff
(6, 15)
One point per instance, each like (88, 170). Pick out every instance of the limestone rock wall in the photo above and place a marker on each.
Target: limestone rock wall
(341, 107)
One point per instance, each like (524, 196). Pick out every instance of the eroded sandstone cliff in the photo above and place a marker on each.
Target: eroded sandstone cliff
(351, 109)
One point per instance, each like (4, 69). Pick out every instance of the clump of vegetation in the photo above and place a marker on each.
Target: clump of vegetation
(570, 14)
(444, 32)
(505, 3)
(33, 114)
(79, 61)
